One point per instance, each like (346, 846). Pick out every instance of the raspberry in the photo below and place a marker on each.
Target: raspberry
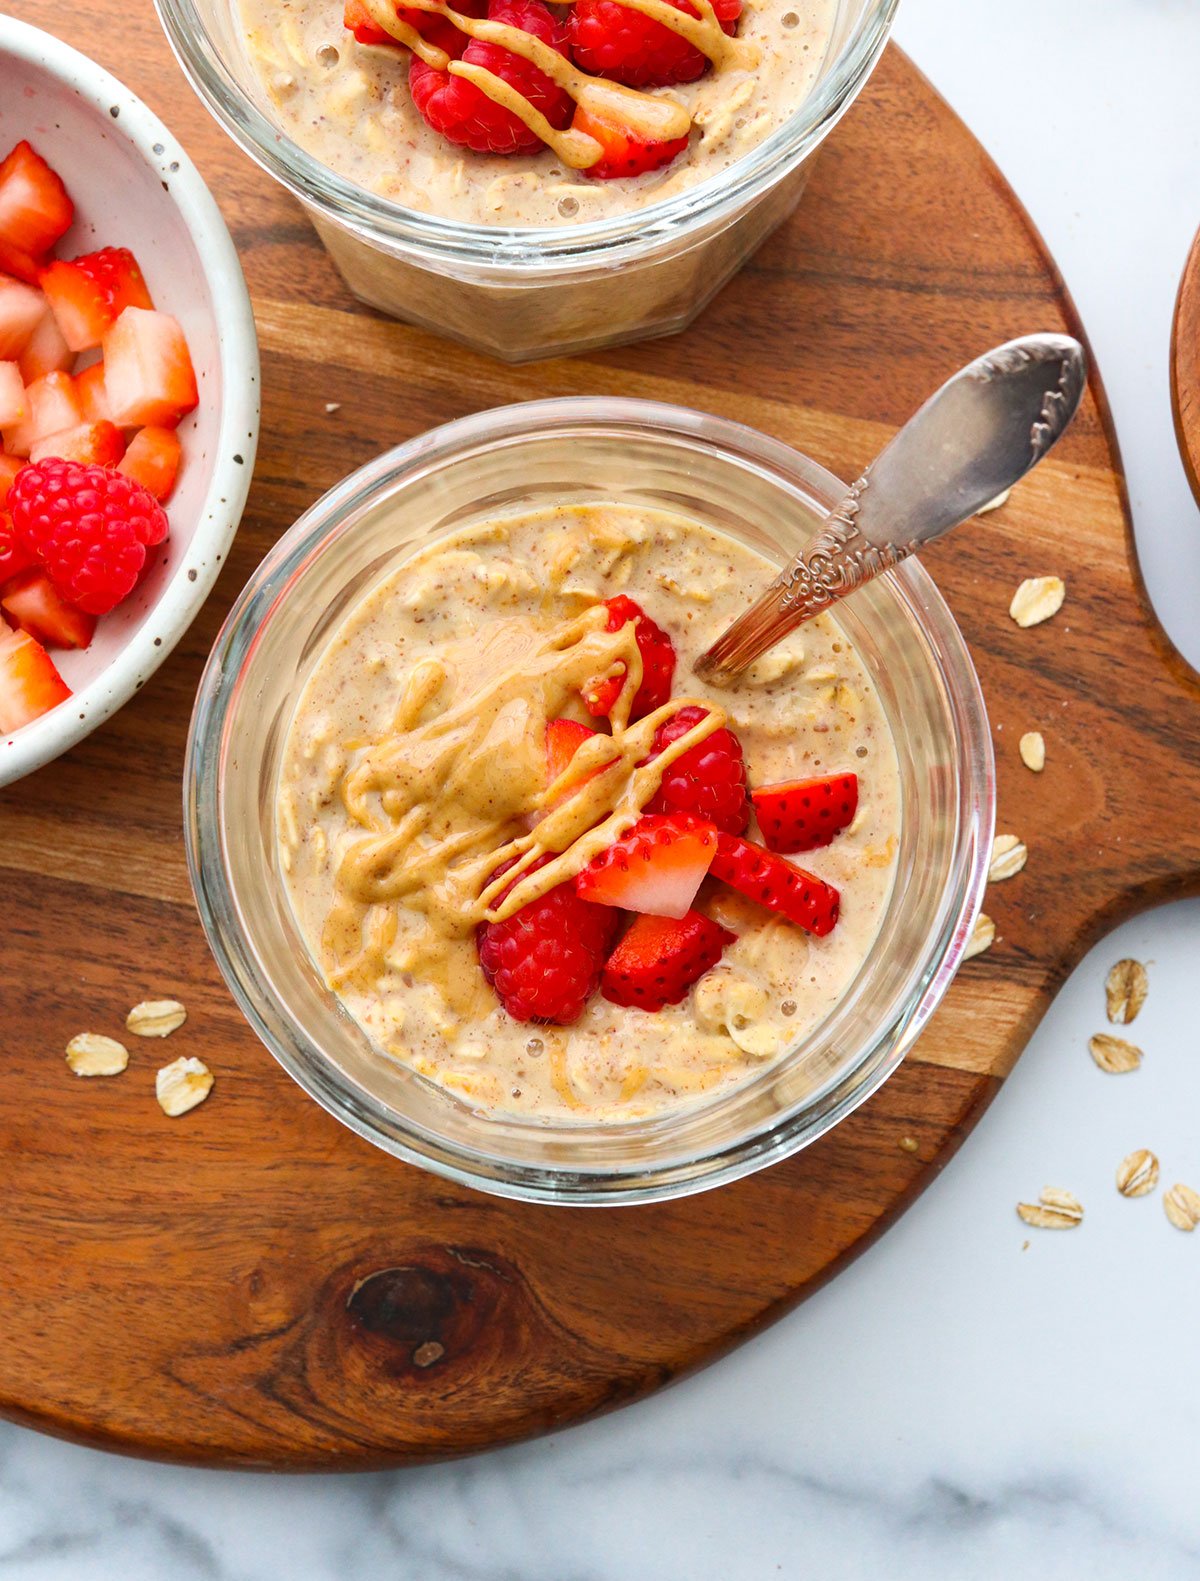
(613, 40)
(658, 663)
(708, 780)
(463, 113)
(89, 528)
(545, 961)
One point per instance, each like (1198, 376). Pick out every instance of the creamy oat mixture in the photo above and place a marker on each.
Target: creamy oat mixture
(418, 750)
(348, 105)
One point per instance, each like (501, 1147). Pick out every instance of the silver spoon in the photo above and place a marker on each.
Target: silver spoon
(976, 437)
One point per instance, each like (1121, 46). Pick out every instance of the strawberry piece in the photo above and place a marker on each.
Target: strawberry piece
(801, 897)
(800, 815)
(148, 374)
(29, 683)
(613, 40)
(9, 467)
(87, 294)
(544, 962)
(34, 207)
(660, 958)
(152, 460)
(22, 309)
(658, 664)
(34, 604)
(91, 394)
(45, 351)
(464, 114)
(53, 407)
(14, 557)
(14, 406)
(437, 29)
(564, 737)
(98, 444)
(24, 266)
(623, 151)
(708, 780)
(656, 867)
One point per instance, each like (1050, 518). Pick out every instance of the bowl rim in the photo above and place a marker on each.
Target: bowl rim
(44, 739)
(524, 250)
(206, 846)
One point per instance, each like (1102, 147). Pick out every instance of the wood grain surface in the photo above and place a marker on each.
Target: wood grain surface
(253, 1285)
(1185, 367)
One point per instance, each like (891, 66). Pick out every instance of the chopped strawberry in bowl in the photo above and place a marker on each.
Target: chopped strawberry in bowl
(128, 377)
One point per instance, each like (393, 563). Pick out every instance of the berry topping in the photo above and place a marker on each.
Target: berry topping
(88, 294)
(14, 556)
(462, 112)
(656, 867)
(658, 664)
(97, 443)
(800, 815)
(545, 960)
(437, 29)
(34, 210)
(760, 875)
(708, 780)
(29, 683)
(564, 737)
(153, 459)
(14, 408)
(32, 602)
(89, 528)
(21, 311)
(148, 375)
(624, 152)
(660, 958)
(613, 40)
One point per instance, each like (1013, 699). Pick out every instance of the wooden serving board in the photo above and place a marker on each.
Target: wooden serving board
(1185, 367)
(253, 1285)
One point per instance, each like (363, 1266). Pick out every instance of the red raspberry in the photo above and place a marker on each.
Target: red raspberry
(89, 528)
(613, 40)
(658, 663)
(545, 961)
(708, 780)
(463, 113)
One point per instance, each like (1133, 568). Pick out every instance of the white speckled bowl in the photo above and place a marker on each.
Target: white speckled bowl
(133, 186)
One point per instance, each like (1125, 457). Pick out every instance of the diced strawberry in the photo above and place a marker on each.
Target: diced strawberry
(660, 958)
(87, 294)
(21, 311)
(624, 152)
(53, 407)
(801, 897)
(29, 683)
(800, 815)
(91, 394)
(101, 444)
(14, 556)
(14, 408)
(15, 262)
(656, 867)
(152, 460)
(34, 207)
(9, 467)
(45, 351)
(148, 371)
(658, 663)
(564, 737)
(32, 602)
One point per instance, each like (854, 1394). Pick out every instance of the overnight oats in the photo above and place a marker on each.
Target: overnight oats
(543, 866)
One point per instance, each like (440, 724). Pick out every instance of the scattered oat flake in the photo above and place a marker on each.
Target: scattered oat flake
(1009, 856)
(92, 1054)
(1055, 1209)
(1114, 1055)
(1037, 598)
(909, 1144)
(333, 406)
(156, 1018)
(983, 936)
(1182, 1206)
(1137, 1174)
(1125, 990)
(181, 1085)
(1032, 747)
(994, 505)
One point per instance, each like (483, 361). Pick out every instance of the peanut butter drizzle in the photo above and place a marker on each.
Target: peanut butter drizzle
(649, 116)
(446, 800)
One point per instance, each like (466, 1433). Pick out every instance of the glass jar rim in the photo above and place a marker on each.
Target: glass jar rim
(521, 250)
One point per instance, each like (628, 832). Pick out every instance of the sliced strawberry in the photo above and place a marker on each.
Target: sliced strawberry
(14, 407)
(29, 683)
(563, 739)
(45, 351)
(762, 876)
(658, 664)
(14, 556)
(87, 294)
(21, 311)
(656, 867)
(34, 207)
(152, 460)
(9, 467)
(101, 444)
(91, 394)
(53, 407)
(148, 372)
(32, 603)
(437, 29)
(800, 815)
(660, 958)
(624, 152)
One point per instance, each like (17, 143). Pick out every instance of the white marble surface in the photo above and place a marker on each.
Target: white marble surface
(952, 1406)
